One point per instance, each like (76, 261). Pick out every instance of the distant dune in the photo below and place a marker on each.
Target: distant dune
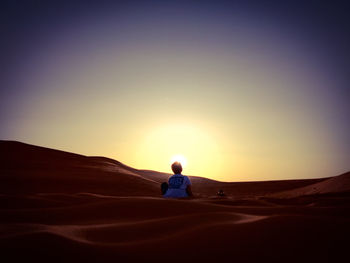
(31, 169)
(57, 206)
(337, 184)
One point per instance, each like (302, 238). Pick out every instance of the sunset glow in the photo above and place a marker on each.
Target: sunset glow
(242, 97)
(180, 159)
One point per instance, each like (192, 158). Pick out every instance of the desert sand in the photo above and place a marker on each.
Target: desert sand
(57, 206)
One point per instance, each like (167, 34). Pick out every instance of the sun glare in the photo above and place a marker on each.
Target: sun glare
(179, 158)
(194, 146)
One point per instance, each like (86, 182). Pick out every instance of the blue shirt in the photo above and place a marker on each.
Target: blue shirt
(177, 186)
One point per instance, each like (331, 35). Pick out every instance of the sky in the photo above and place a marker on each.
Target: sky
(244, 90)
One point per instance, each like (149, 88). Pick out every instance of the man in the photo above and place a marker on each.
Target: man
(179, 185)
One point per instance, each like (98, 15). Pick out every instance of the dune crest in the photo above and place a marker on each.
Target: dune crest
(63, 207)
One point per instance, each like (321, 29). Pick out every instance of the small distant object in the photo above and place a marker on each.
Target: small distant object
(221, 193)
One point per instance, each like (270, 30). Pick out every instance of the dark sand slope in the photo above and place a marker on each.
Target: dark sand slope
(62, 207)
(337, 184)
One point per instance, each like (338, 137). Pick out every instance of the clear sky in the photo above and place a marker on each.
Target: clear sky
(244, 90)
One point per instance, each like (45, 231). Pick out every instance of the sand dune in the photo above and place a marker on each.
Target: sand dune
(337, 184)
(31, 169)
(62, 207)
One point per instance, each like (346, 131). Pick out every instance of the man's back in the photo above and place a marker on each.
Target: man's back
(177, 186)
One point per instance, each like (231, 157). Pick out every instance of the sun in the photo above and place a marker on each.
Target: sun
(179, 158)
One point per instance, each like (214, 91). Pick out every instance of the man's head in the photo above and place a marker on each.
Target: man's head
(176, 167)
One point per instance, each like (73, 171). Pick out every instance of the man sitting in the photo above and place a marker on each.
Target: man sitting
(179, 185)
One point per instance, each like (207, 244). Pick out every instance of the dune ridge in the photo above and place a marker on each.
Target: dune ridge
(24, 165)
(57, 206)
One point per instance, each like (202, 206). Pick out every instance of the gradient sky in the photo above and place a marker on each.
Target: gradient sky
(245, 90)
